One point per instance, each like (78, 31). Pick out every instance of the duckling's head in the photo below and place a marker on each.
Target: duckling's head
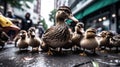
(103, 33)
(31, 29)
(23, 34)
(32, 34)
(90, 33)
(107, 34)
(63, 13)
(116, 38)
(79, 27)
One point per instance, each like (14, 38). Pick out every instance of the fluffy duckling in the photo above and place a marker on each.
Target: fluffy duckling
(105, 40)
(115, 41)
(57, 36)
(89, 41)
(78, 34)
(31, 29)
(3, 38)
(34, 42)
(23, 41)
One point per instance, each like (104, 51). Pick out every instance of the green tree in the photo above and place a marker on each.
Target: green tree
(52, 15)
(44, 23)
(14, 3)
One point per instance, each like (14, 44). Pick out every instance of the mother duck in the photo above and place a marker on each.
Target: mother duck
(57, 36)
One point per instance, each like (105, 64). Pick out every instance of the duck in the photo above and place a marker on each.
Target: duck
(115, 41)
(75, 37)
(22, 43)
(58, 35)
(34, 41)
(69, 44)
(104, 40)
(78, 34)
(89, 41)
(3, 38)
(31, 29)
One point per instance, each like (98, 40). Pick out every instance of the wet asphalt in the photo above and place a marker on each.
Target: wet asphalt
(10, 56)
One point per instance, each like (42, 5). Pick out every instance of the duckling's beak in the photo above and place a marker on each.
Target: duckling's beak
(20, 34)
(33, 34)
(73, 18)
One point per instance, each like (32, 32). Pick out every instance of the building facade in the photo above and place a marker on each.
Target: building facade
(58, 3)
(100, 14)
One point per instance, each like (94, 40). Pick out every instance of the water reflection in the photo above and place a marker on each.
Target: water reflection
(109, 61)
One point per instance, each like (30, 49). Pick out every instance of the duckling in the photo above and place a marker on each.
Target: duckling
(34, 42)
(105, 40)
(78, 34)
(3, 38)
(31, 29)
(57, 36)
(110, 35)
(115, 40)
(89, 41)
(23, 41)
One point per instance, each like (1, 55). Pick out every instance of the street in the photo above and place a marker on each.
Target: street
(76, 33)
(10, 56)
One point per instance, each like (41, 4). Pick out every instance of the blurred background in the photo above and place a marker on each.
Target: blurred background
(100, 14)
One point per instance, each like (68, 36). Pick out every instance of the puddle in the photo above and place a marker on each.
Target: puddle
(109, 61)
(11, 58)
(27, 59)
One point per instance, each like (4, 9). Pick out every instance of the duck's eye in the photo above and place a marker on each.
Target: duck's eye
(67, 11)
(79, 26)
(59, 9)
(91, 31)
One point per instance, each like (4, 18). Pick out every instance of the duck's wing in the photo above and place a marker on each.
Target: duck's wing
(48, 33)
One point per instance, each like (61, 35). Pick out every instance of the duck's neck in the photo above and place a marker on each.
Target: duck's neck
(60, 21)
(77, 30)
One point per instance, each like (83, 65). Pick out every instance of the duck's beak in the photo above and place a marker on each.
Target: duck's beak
(82, 30)
(73, 18)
